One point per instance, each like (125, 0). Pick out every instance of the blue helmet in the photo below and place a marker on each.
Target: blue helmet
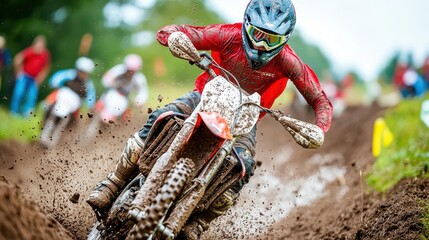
(267, 26)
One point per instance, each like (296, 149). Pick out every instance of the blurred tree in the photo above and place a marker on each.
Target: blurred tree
(310, 54)
(166, 12)
(22, 20)
(387, 72)
(63, 23)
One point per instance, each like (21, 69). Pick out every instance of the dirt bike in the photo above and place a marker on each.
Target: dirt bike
(61, 105)
(188, 161)
(110, 108)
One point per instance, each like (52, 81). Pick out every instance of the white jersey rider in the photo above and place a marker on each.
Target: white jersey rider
(126, 78)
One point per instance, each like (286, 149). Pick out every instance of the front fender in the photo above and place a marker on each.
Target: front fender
(216, 124)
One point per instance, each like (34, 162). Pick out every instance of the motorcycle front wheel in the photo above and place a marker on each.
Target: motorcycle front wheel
(52, 129)
(173, 186)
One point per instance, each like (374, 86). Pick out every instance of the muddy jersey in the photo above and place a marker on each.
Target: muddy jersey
(225, 42)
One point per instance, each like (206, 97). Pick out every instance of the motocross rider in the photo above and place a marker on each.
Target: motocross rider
(76, 79)
(256, 52)
(126, 77)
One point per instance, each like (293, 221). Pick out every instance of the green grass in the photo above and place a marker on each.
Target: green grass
(18, 128)
(408, 155)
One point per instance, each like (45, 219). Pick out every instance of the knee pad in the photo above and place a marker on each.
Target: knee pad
(132, 150)
(187, 103)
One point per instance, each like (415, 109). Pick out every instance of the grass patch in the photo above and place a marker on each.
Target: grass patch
(408, 155)
(168, 92)
(18, 128)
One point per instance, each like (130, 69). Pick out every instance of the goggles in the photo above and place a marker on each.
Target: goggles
(263, 39)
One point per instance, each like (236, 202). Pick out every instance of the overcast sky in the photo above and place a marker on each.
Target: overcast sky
(358, 35)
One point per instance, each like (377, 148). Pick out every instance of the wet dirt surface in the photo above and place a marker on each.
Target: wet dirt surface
(296, 193)
(60, 179)
(395, 215)
(23, 219)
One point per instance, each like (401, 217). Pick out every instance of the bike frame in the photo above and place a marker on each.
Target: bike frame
(221, 112)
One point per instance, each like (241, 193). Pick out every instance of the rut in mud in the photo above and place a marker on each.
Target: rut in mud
(295, 193)
(395, 215)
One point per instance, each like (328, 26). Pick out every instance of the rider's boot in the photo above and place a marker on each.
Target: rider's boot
(106, 191)
(199, 223)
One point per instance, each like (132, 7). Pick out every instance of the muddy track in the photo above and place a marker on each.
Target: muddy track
(23, 219)
(60, 179)
(295, 193)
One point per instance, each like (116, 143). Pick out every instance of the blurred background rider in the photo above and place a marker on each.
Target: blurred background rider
(72, 87)
(127, 78)
(76, 79)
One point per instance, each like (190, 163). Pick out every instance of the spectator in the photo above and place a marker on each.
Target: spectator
(408, 81)
(31, 67)
(5, 57)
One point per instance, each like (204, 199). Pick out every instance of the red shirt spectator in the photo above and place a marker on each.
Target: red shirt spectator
(34, 62)
(32, 67)
(398, 76)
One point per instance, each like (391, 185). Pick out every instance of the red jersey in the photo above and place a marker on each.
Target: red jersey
(225, 42)
(34, 62)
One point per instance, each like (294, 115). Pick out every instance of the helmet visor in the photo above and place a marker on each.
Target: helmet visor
(263, 39)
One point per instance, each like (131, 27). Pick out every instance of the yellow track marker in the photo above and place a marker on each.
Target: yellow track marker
(382, 136)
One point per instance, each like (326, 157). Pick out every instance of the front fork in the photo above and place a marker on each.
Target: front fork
(193, 195)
